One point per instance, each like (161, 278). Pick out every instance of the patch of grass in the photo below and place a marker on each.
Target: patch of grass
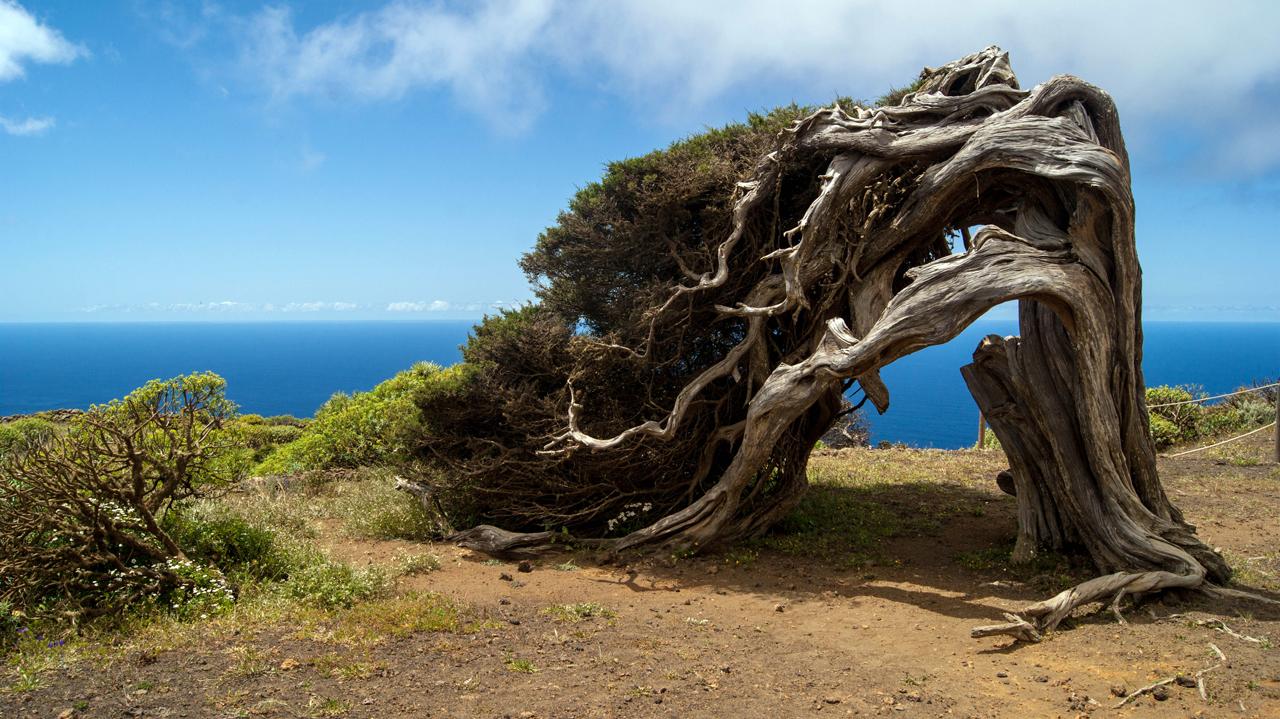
(249, 661)
(579, 612)
(321, 707)
(374, 621)
(408, 565)
(521, 666)
(568, 566)
(858, 498)
(1047, 572)
(374, 509)
(330, 585)
(741, 557)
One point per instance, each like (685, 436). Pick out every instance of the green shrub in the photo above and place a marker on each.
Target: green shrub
(365, 428)
(330, 585)
(374, 509)
(1184, 417)
(1163, 432)
(215, 534)
(23, 434)
(80, 512)
(202, 592)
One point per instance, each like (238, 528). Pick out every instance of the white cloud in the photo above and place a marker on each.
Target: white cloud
(433, 306)
(481, 57)
(24, 39)
(1172, 64)
(27, 127)
(320, 307)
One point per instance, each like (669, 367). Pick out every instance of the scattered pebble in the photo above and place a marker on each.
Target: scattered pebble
(1160, 693)
(525, 566)
(505, 577)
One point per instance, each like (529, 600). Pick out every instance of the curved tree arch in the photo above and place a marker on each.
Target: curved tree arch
(866, 275)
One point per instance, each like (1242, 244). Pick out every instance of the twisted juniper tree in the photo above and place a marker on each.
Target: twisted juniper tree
(709, 367)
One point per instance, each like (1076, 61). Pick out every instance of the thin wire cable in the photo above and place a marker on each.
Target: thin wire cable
(1216, 396)
(1216, 444)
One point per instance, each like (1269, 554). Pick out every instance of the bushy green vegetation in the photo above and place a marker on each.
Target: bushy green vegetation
(373, 509)
(1173, 423)
(121, 513)
(24, 434)
(366, 428)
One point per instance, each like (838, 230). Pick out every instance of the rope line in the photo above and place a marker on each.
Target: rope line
(1216, 444)
(1216, 396)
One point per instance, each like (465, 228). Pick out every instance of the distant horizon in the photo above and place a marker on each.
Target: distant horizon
(478, 318)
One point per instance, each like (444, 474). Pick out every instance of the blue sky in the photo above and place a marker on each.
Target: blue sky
(226, 161)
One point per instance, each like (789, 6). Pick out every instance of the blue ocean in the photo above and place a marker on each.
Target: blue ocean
(292, 368)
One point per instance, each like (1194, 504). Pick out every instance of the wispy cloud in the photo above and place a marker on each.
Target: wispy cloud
(433, 306)
(27, 127)
(24, 39)
(320, 307)
(479, 55)
(448, 306)
(1172, 65)
(311, 307)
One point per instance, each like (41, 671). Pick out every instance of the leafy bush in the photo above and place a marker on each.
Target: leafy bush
(1177, 424)
(80, 513)
(1163, 432)
(365, 428)
(23, 434)
(262, 439)
(215, 534)
(1185, 418)
(330, 585)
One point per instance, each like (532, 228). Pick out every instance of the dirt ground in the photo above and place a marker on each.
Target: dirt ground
(770, 630)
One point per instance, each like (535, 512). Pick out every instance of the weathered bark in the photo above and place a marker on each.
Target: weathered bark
(1046, 174)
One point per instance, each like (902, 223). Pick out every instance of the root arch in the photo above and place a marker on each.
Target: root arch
(865, 275)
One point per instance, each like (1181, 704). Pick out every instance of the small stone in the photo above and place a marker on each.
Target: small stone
(1042, 679)
(831, 700)
(726, 669)
(1002, 675)
(1185, 681)
(66, 713)
(779, 607)
(1119, 690)
(514, 621)
(505, 577)
(289, 663)
(525, 566)
(1160, 693)
(504, 601)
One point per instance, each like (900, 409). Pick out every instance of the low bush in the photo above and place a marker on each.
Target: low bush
(374, 509)
(81, 511)
(215, 534)
(366, 428)
(1180, 423)
(23, 434)
(330, 585)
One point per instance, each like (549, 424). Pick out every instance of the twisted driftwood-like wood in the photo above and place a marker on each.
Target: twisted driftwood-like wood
(1045, 174)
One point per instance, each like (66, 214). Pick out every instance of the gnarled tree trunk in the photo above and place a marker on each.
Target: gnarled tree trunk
(1045, 174)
